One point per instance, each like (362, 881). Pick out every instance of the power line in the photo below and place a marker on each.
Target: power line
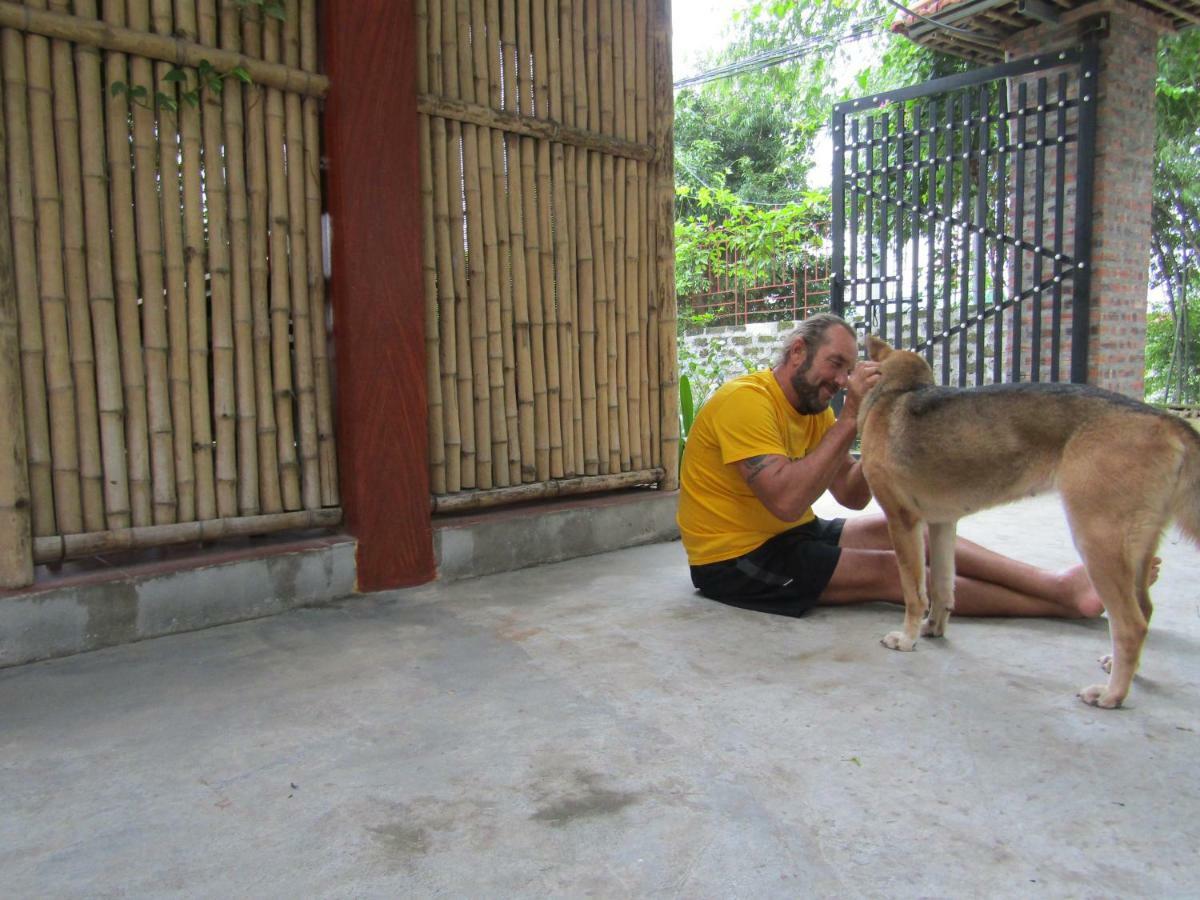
(775, 56)
(975, 35)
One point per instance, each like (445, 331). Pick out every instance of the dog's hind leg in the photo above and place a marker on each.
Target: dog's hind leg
(941, 578)
(908, 540)
(1113, 566)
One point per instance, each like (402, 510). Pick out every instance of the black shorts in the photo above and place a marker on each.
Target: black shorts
(785, 576)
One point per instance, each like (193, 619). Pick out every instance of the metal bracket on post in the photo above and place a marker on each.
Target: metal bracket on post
(1039, 11)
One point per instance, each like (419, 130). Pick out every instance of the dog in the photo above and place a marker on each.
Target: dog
(1124, 470)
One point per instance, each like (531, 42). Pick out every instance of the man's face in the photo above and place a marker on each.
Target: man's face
(824, 373)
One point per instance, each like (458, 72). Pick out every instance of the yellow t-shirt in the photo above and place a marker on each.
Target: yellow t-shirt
(719, 517)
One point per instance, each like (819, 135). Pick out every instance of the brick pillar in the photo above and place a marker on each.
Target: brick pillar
(1121, 230)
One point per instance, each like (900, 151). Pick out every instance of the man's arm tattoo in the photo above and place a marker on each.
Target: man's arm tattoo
(755, 465)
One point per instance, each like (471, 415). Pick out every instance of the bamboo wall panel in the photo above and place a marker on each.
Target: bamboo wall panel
(169, 306)
(549, 319)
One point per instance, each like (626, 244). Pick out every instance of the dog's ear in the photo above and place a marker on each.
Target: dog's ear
(877, 350)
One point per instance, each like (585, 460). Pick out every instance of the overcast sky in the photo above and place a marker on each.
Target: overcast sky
(696, 27)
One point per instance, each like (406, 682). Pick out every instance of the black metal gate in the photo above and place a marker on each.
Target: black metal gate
(962, 216)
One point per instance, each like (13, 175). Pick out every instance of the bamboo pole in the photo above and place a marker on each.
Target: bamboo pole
(433, 373)
(170, 184)
(620, 301)
(575, 114)
(56, 549)
(100, 295)
(633, 325)
(549, 309)
(326, 437)
(615, 337)
(574, 229)
(562, 38)
(591, 53)
(433, 47)
(233, 124)
(618, 63)
(522, 327)
(224, 410)
(462, 314)
(508, 351)
(537, 49)
(198, 411)
(254, 103)
(109, 35)
(442, 453)
(554, 72)
(535, 288)
(64, 446)
(495, 70)
(545, 490)
(302, 329)
(446, 306)
(124, 271)
(148, 219)
(525, 126)
(600, 277)
(281, 300)
(74, 263)
(462, 304)
(464, 54)
(508, 56)
(16, 527)
(641, 133)
(492, 301)
(500, 93)
(565, 287)
(630, 56)
(631, 301)
(422, 10)
(664, 200)
(449, 52)
(605, 49)
(525, 89)
(479, 52)
(586, 266)
(478, 305)
(25, 277)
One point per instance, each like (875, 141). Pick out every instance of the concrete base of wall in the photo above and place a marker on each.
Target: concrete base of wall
(104, 602)
(87, 610)
(512, 538)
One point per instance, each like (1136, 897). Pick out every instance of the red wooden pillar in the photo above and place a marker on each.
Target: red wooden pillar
(371, 143)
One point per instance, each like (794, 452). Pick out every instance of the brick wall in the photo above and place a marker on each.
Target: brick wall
(1122, 188)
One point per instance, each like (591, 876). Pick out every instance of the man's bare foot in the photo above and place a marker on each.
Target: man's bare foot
(1081, 597)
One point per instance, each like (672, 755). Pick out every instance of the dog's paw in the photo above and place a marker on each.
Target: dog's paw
(933, 627)
(898, 640)
(1098, 695)
(1106, 662)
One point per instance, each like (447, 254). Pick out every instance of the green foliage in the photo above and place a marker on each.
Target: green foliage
(1171, 354)
(207, 77)
(1171, 372)
(273, 8)
(730, 239)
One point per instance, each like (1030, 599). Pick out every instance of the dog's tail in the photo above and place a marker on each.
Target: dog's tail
(1187, 498)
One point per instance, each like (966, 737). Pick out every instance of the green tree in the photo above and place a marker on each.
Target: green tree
(1172, 341)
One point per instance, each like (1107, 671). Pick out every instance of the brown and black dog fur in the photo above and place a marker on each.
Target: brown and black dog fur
(1124, 470)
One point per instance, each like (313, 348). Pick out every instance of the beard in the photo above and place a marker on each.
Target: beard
(808, 395)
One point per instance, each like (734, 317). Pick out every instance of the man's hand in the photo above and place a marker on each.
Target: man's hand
(858, 385)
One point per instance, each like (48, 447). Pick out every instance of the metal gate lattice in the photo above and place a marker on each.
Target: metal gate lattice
(962, 218)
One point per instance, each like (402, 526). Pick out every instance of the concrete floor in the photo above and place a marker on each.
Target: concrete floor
(593, 728)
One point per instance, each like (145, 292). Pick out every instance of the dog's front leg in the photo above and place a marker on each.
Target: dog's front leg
(908, 540)
(941, 578)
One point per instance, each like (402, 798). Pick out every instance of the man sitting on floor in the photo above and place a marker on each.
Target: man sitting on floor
(765, 446)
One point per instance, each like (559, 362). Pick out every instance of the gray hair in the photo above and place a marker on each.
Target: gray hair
(814, 332)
